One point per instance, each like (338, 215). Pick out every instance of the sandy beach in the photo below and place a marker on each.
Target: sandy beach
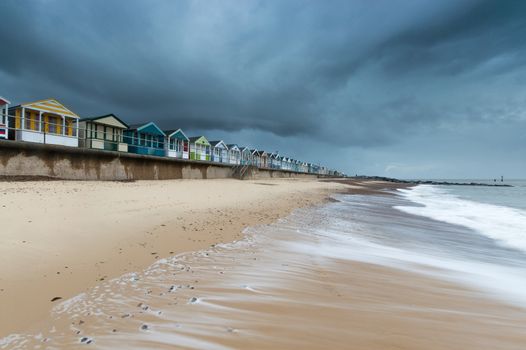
(60, 238)
(270, 287)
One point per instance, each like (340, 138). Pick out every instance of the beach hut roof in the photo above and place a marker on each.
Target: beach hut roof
(200, 140)
(49, 105)
(232, 146)
(263, 153)
(147, 128)
(219, 143)
(254, 151)
(4, 101)
(107, 119)
(176, 133)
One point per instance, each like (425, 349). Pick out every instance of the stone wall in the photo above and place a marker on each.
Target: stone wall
(33, 160)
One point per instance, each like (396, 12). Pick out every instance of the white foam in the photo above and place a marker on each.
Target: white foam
(507, 226)
(501, 282)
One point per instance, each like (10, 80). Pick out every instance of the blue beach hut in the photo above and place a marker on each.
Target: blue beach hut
(145, 138)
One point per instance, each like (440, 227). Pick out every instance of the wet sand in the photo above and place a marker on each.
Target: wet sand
(61, 238)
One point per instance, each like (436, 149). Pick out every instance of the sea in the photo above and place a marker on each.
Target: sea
(294, 283)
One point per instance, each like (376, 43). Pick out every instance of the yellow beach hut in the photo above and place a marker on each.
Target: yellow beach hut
(45, 121)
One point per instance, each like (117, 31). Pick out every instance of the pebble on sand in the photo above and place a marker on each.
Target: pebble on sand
(86, 340)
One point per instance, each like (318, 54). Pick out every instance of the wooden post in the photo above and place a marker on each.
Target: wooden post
(23, 119)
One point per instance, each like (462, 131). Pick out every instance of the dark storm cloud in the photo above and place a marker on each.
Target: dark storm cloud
(348, 73)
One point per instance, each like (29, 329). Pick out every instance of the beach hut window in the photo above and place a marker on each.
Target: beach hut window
(37, 122)
(52, 121)
(100, 132)
(27, 122)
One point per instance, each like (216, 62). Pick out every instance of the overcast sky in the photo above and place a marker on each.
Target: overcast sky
(411, 89)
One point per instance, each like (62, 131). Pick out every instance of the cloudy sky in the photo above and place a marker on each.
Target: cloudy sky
(408, 88)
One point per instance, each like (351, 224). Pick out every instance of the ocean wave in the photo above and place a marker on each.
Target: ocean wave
(505, 225)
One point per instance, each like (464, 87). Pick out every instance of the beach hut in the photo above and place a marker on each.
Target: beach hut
(264, 159)
(292, 164)
(44, 121)
(288, 163)
(199, 148)
(178, 144)
(246, 156)
(284, 163)
(274, 160)
(103, 132)
(234, 154)
(219, 152)
(256, 159)
(145, 138)
(297, 165)
(4, 120)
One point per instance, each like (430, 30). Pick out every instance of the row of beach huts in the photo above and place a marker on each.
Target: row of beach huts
(50, 122)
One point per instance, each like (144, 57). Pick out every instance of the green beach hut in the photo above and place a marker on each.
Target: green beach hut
(103, 132)
(199, 148)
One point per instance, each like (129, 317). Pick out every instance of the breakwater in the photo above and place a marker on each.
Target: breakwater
(429, 182)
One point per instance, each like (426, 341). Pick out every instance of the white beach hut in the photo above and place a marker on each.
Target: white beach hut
(4, 120)
(234, 154)
(219, 151)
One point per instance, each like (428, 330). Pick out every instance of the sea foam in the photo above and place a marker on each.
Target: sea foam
(505, 225)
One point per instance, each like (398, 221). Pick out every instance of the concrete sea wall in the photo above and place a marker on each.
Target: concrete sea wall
(32, 160)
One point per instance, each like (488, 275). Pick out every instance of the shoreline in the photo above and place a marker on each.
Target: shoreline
(267, 292)
(63, 237)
